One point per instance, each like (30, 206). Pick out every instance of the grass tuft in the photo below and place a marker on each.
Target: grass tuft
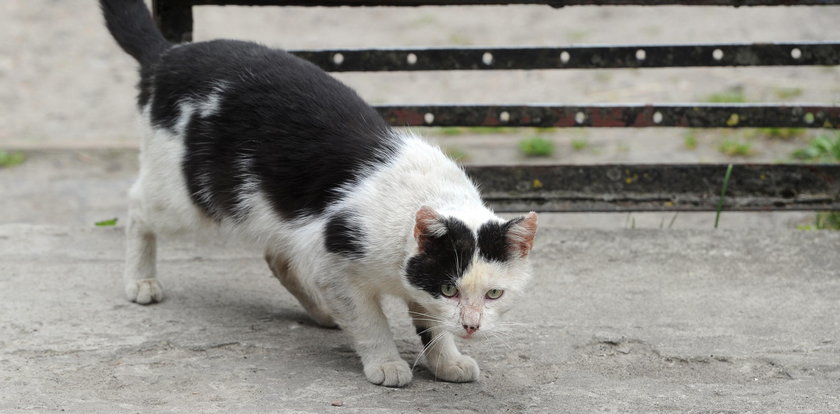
(728, 96)
(536, 147)
(725, 186)
(778, 133)
(736, 148)
(478, 130)
(10, 159)
(690, 140)
(106, 223)
(828, 220)
(823, 148)
(787, 93)
(456, 154)
(579, 144)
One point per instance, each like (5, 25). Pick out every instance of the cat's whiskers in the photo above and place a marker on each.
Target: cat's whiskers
(515, 323)
(502, 335)
(497, 337)
(412, 313)
(428, 346)
(427, 318)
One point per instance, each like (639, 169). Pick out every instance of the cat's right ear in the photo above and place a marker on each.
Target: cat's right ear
(428, 224)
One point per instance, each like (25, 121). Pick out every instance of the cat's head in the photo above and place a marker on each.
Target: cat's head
(468, 272)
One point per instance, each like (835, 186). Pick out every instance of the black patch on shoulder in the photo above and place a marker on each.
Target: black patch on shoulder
(492, 241)
(304, 133)
(444, 259)
(425, 335)
(343, 236)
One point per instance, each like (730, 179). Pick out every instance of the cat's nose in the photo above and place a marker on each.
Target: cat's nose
(470, 329)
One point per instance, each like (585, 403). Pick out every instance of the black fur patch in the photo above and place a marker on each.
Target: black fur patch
(425, 335)
(343, 236)
(492, 240)
(444, 259)
(305, 133)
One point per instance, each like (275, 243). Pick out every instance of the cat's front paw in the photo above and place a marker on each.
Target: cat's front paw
(389, 373)
(144, 291)
(459, 369)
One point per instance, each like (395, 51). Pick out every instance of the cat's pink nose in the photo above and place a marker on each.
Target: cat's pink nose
(470, 329)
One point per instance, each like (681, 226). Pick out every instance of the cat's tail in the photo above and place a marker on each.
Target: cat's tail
(131, 24)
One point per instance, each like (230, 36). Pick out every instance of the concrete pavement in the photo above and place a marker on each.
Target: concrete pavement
(617, 321)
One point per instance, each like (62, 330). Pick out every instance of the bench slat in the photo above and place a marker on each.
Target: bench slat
(612, 115)
(576, 57)
(658, 187)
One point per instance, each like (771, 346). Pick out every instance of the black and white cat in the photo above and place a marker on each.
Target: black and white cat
(269, 147)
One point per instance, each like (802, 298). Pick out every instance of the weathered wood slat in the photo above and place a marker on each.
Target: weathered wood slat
(700, 115)
(576, 57)
(658, 187)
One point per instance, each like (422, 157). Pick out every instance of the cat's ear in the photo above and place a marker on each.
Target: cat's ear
(428, 224)
(520, 235)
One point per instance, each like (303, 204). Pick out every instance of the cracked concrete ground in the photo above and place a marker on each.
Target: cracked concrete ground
(617, 321)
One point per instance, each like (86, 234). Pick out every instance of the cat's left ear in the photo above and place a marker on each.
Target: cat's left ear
(520, 234)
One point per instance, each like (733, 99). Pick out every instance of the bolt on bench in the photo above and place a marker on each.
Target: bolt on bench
(611, 187)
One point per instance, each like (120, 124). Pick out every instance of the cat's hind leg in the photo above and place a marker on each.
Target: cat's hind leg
(140, 277)
(281, 270)
(442, 356)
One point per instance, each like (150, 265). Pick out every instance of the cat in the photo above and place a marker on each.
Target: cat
(346, 209)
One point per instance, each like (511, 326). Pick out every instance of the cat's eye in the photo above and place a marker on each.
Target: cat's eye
(449, 290)
(494, 293)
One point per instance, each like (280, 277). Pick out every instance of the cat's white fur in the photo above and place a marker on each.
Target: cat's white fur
(332, 288)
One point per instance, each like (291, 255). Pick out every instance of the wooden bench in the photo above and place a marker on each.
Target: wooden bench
(610, 187)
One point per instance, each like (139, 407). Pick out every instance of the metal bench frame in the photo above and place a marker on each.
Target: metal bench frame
(606, 187)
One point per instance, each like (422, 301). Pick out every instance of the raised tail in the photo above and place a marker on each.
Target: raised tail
(131, 24)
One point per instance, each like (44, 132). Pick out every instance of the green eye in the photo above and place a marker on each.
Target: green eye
(449, 290)
(494, 293)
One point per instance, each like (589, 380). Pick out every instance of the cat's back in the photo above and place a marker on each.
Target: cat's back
(260, 120)
(266, 81)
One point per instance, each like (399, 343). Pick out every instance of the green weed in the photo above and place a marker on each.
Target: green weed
(478, 130)
(446, 131)
(823, 148)
(690, 140)
(787, 93)
(456, 154)
(490, 130)
(736, 148)
(729, 96)
(725, 186)
(829, 220)
(776, 133)
(536, 147)
(106, 223)
(579, 144)
(10, 159)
